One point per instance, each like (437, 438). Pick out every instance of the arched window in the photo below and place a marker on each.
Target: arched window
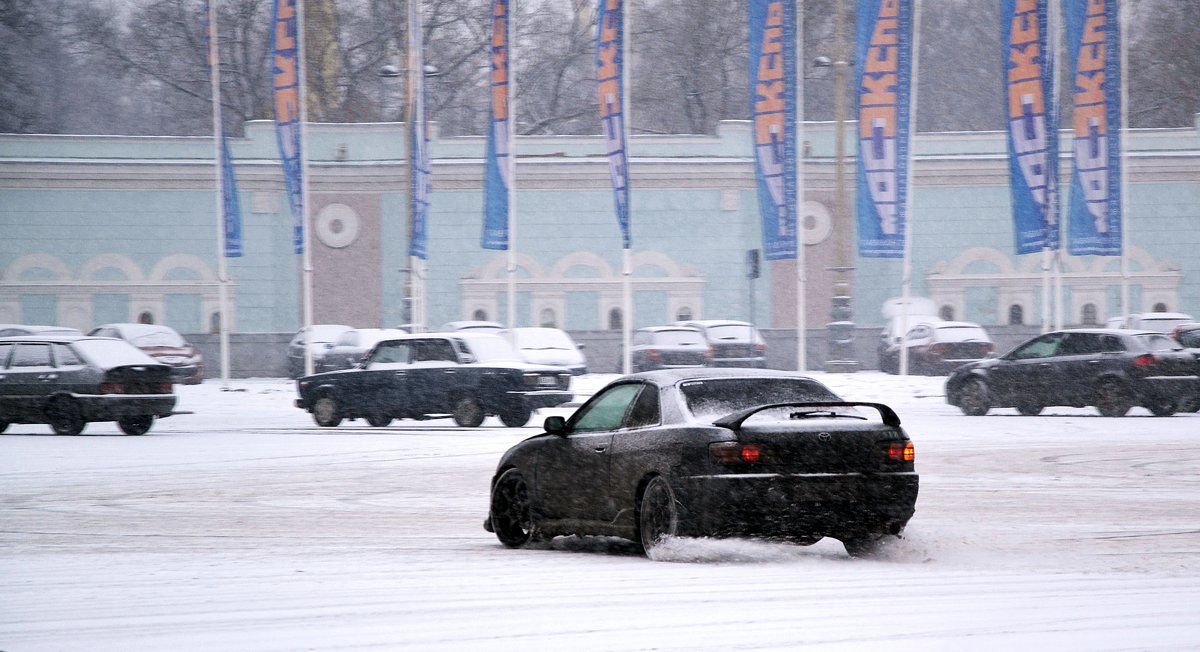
(214, 323)
(547, 320)
(946, 312)
(684, 314)
(1016, 315)
(1088, 316)
(146, 317)
(1160, 307)
(479, 315)
(614, 319)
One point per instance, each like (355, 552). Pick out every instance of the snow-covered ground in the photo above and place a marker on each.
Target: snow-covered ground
(244, 526)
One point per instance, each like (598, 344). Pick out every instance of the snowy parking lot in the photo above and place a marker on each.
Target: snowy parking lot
(243, 526)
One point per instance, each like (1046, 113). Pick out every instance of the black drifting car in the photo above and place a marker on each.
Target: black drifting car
(463, 375)
(710, 453)
(67, 381)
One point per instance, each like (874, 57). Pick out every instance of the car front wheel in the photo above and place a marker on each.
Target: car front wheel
(137, 425)
(1112, 400)
(64, 417)
(326, 412)
(973, 398)
(1029, 408)
(658, 515)
(468, 413)
(865, 545)
(1162, 407)
(378, 419)
(511, 518)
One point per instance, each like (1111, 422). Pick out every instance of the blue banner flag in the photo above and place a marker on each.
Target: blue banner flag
(773, 110)
(1094, 62)
(609, 73)
(286, 86)
(499, 146)
(229, 202)
(883, 48)
(1032, 124)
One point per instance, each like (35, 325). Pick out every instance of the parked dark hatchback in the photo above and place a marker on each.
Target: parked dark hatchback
(67, 381)
(710, 452)
(467, 376)
(1110, 369)
(669, 347)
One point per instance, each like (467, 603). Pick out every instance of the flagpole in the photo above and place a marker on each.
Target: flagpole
(413, 81)
(801, 272)
(627, 262)
(214, 68)
(1053, 260)
(305, 236)
(1122, 23)
(910, 184)
(510, 187)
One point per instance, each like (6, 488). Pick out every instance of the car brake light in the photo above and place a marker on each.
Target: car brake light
(653, 355)
(760, 347)
(731, 452)
(1145, 360)
(112, 388)
(900, 451)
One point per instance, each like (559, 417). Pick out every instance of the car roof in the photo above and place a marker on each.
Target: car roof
(714, 322)
(671, 376)
(134, 327)
(65, 337)
(659, 329)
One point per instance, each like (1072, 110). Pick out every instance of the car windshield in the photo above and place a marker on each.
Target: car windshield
(731, 332)
(490, 349)
(542, 338)
(111, 353)
(678, 337)
(156, 337)
(961, 334)
(716, 397)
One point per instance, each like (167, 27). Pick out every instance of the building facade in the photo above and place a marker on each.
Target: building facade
(100, 229)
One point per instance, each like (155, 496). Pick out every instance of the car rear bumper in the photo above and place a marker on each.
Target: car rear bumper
(544, 398)
(107, 407)
(797, 505)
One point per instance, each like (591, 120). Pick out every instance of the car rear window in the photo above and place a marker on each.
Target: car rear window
(678, 337)
(731, 332)
(158, 338)
(961, 334)
(717, 397)
(1158, 342)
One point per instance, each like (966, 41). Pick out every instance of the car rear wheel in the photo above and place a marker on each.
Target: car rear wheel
(863, 545)
(973, 398)
(516, 414)
(658, 515)
(511, 518)
(65, 417)
(136, 425)
(326, 412)
(378, 419)
(468, 413)
(1161, 407)
(1030, 408)
(3, 426)
(1112, 400)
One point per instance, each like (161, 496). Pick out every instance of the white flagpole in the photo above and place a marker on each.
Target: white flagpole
(1054, 198)
(414, 82)
(214, 65)
(801, 272)
(511, 187)
(627, 262)
(1123, 22)
(306, 236)
(911, 184)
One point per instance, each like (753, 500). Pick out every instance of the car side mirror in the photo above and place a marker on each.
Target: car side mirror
(466, 358)
(581, 346)
(555, 425)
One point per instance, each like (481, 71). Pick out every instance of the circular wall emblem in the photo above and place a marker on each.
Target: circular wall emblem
(818, 223)
(336, 225)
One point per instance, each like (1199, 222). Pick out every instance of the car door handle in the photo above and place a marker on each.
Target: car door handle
(47, 376)
(600, 449)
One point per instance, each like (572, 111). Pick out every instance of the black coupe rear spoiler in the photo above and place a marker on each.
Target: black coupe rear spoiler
(734, 421)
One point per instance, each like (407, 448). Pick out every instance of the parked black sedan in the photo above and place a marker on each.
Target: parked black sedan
(710, 452)
(1110, 369)
(67, 381)
(464, 375)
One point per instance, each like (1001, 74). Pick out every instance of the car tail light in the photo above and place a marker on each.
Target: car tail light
(732, 452)
(708, 355)
(653, 355)
(760, 347)
(1145, 360)
(899, 451)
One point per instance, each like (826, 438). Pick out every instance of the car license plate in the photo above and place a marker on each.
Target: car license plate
(547, 381)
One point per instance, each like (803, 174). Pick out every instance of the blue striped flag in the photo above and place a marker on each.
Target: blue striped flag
(609, 73)
(286, 86)
(773, 110)
(499, 146)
